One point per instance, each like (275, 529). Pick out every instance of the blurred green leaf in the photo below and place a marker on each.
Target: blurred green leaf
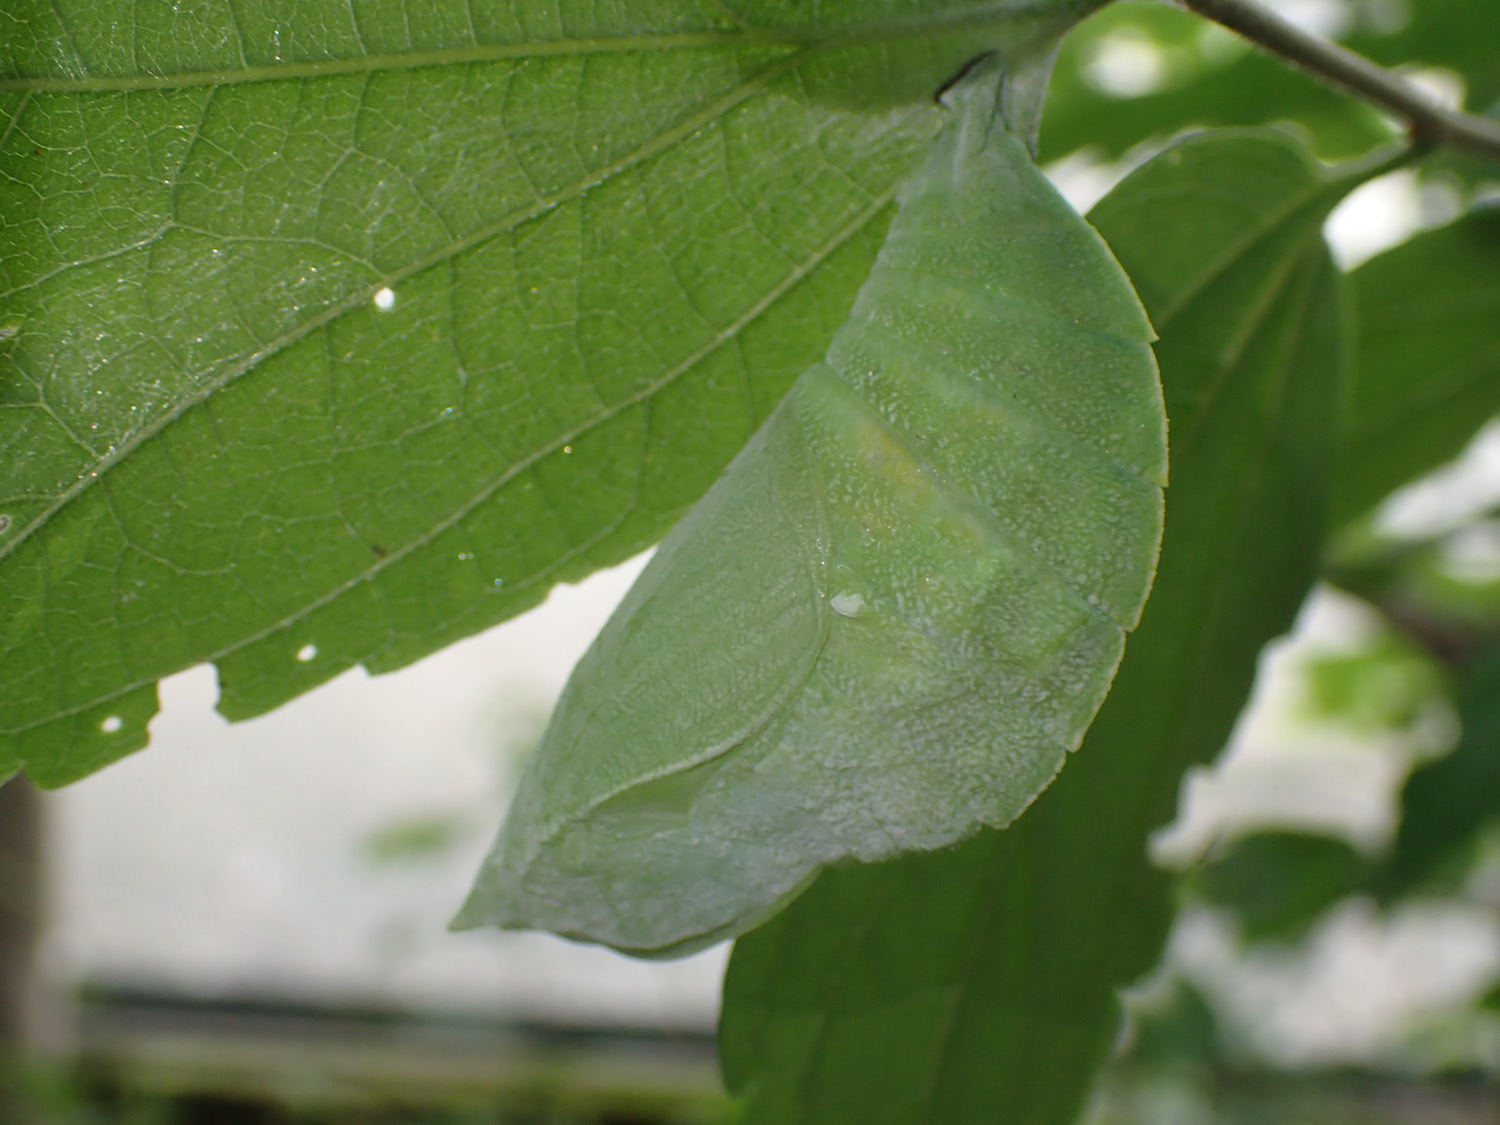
(1388, 684)
(330, 337)
(1279, 883)
(980, 983)
(1175, 1029)
(414, 839)
(1429, 358)
(1440, 593)
(1490, 1001)
(1458, 35)
(1448, 802)
(1194, 74)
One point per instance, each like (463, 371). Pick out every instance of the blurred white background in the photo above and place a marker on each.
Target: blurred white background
(318, 852)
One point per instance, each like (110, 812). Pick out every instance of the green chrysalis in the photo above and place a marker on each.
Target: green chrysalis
(900, 606)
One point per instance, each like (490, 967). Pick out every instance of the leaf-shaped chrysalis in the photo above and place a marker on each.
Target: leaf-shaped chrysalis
(898, 609)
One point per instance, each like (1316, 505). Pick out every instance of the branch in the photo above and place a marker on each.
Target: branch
(1430, 123)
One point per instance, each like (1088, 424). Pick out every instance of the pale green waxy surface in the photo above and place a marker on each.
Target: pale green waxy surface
(900, 607)
(614, 233)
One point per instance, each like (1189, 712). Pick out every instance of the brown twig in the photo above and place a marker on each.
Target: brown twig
(1430, 123)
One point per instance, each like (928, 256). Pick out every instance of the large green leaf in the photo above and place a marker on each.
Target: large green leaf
(1429, 358)
(978, 984)
(613, 234)
(894, 615)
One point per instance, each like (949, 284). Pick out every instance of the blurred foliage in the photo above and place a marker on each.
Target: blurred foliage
(1427, 305)
(1307, 1099)
(1188, 74)
(1428, 379)
(277, 1091)
(1172, 1028)
(1448, 585)
(1389, 684)
(415, 839)
(1279, 883)
(1141, 69)
(1449, 802)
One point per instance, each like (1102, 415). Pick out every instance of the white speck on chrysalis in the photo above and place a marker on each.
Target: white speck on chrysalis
(384, 299)
(847, 605)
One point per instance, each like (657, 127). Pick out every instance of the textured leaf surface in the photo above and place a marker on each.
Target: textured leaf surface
(1429, 358)
(609, 234)
(900, 607)
(978, 984)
